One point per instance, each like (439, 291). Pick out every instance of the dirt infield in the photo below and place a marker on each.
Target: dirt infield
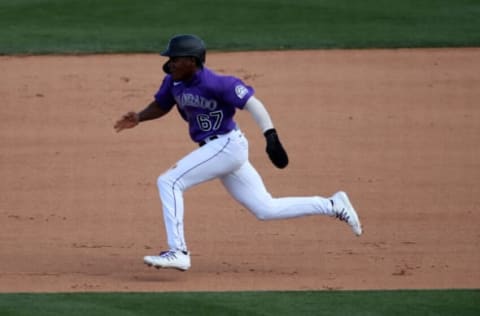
(399, 130)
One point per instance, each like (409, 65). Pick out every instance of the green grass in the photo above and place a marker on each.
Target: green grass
(371, 303)
(107, 26)
(94, 26)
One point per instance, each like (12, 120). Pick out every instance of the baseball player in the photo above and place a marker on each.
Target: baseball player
(208, 102)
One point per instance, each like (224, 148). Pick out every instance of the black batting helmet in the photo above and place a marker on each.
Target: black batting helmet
(186, 45)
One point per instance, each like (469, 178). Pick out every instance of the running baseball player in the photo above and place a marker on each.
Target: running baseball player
(208, 102)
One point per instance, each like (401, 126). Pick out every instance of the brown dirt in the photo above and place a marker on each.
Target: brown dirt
(397, 129)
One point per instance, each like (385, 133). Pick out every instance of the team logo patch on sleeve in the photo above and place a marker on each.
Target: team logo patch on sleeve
(241, 91)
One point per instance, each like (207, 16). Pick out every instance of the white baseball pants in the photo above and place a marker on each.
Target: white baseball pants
(226, 158)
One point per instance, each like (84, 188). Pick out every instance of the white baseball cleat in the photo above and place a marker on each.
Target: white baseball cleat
(344, 211)
(173, 259)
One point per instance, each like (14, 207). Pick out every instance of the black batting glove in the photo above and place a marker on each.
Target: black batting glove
(275, 150)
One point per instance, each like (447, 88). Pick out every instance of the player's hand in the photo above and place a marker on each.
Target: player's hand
(129, 120)
(275, 150)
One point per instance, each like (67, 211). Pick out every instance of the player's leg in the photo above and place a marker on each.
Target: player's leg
(213, 160)
(206, 163)
(247, 187)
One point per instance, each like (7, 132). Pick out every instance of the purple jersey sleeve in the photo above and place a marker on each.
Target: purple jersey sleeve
(235, 92)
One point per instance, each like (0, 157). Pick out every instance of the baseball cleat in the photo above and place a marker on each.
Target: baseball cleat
(344, 211)
(172, 259)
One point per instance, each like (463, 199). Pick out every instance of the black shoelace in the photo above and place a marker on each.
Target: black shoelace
(342, 215)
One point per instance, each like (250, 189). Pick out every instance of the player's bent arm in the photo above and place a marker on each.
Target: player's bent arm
(151, 112)
(275, 150)
(259, 113)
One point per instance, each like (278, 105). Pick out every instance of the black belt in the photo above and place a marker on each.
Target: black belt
(203, 142)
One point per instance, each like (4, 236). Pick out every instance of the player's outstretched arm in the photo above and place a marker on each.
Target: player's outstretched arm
(128, 120)
(131, 119)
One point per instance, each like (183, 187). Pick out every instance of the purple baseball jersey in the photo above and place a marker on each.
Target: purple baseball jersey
(207, 102)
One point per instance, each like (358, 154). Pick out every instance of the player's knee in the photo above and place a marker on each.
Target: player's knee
(261, 216)
(168, 182)
(265, 215)
(163, 181)
(262, 208)
(262, 212)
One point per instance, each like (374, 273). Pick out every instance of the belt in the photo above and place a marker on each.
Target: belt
(203, 142)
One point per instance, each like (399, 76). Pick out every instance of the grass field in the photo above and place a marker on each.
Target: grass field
(91, 26)
(371, 303)
(113, 26)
